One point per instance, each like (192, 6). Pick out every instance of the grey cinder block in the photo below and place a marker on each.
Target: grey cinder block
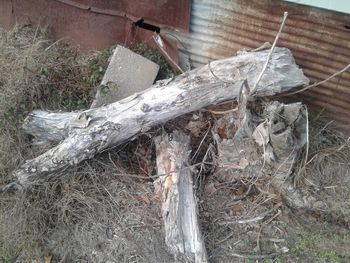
(127, 73)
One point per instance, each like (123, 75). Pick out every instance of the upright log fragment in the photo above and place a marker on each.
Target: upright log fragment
(92, 131)
(265, 147)
(179, 209)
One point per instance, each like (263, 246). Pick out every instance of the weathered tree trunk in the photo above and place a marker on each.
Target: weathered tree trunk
(92, 131)
(175, 186)
(50, 126)
(265, 147)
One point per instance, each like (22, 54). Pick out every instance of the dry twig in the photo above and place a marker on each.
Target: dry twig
(257, 257)
(320, 82)
(270, 53)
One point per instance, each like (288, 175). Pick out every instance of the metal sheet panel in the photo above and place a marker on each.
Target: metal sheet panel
(5, 13)
(163, 13)
(82, 27)
(96, 24)
(319, 40)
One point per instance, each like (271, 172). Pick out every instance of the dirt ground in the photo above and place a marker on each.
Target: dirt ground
(104, 210)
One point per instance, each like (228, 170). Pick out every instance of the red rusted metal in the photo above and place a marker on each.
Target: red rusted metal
(86, 29)
(163, 13)
(5, 13)
(93, 24)
(168, 48)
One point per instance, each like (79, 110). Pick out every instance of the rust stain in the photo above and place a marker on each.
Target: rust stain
(319, 40)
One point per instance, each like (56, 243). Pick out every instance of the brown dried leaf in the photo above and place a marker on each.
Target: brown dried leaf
(47, 256)
(238, 208)
(240, 190)
(196, 127)
(261, 134)
(210, 188)
(143, 198)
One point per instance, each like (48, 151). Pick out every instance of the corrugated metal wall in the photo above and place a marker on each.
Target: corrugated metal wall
(319, 40)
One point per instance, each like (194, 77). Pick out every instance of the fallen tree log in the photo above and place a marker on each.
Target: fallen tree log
(89, 132)
(179, 209)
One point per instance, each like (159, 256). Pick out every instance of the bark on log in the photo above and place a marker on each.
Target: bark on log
(179, 210)
(92, 131)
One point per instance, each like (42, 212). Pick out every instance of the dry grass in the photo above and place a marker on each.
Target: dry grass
(36, 73)
(96, 213)
(327, 172)
(91, 213)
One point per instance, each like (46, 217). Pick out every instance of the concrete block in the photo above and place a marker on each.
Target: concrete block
(127, 73)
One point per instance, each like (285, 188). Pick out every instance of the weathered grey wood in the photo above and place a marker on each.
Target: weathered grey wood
(92, 131)
(179, 209)
(49, 126)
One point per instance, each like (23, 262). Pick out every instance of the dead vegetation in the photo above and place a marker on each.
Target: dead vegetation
(105, 211)
(243, 220)
(327, 169)
(77, 216)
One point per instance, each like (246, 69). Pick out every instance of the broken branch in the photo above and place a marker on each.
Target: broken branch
(270, 53)
(320, 82)
(179, 209)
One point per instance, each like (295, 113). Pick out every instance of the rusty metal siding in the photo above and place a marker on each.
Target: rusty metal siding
(163, 13)
(319, 40)
(5, 13)
(80, 26)
(96, 24)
